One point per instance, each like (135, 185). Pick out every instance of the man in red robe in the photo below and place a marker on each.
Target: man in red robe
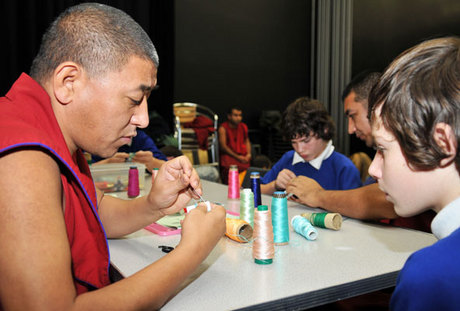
(235, 147)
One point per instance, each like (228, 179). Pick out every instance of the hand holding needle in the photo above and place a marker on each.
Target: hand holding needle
(208, 205)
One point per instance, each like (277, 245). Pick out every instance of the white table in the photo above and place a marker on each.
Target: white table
(358, 259)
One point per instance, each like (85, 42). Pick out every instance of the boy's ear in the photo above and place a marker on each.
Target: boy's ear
(444, 136)
(64, 78)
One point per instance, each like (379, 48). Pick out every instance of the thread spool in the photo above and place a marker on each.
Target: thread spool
(233, 207)
(303, 227)
(324, 220)
(247, 206)
(255, 187)
(280, 219)
(233, 183)
(154, 172)
(238, 230)
(263, 248)
(133, 182)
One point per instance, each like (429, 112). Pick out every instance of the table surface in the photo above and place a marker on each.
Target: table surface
(359, 258)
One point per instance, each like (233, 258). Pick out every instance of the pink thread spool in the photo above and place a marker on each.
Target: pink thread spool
(133, 182)
(233, 183)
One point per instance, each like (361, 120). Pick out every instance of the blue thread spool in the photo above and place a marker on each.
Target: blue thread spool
(280, 220)
(255, 187)
(303, 227)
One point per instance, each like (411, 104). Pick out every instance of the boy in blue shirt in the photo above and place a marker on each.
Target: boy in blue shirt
(310, 128)
(143, 149)
(415, 117)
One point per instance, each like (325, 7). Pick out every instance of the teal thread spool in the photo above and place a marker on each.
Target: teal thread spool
(303, 227)
(247, 206)
(280, 219)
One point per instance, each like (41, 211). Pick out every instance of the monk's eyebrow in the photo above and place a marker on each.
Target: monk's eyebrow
(146, 88)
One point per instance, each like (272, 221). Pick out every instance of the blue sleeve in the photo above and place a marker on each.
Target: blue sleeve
(143, 142)
(349, 178)
(278, 167)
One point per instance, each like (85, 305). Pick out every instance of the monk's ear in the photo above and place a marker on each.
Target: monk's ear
(446, 140)
(65, 78)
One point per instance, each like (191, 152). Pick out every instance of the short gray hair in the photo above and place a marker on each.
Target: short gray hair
(98, 37)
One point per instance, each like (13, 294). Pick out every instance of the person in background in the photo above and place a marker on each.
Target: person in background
(87, 90)
(171, 152)
(235, 146)
(415, 118)
(140, 149)
(367, 202)
(262, 161)
(310, 128)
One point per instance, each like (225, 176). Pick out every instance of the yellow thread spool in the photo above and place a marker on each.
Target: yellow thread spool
(238, 230)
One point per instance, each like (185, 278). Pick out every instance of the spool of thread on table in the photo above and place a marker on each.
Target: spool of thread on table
(133, 182)
(247, 206)
(255, 187)
(238, 230)
(303, 227)
(263, 249)
(324, 220)
(280, 219)
(233, 183)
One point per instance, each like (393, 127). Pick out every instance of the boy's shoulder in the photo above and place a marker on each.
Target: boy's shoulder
(340, 157)
(430, 277)
(439, 258)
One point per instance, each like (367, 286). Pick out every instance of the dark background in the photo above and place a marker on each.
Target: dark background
(253, 54)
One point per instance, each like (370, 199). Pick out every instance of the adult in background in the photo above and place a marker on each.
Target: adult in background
(235, 147)
(87, 90)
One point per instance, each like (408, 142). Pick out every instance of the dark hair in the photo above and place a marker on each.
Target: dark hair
(261, 161)
(361, 84)
(98, 37)
(171, 151)
(230, 110)
(307, 116)
(418, 90)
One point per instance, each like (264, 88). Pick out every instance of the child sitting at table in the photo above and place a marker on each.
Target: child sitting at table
(310, 129)
(141, 149)
(415, 116)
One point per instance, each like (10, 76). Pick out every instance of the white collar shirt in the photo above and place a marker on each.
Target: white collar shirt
(447, 220)
(316, 162)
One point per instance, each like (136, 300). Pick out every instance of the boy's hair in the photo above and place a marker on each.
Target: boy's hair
(98, 37)
(361, 84)
(171, 151)
(418, 90)
(307, 116)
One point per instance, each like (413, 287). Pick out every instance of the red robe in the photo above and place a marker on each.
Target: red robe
(27, 119)
(236, 138)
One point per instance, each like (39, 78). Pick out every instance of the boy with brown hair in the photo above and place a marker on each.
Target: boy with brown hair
(415, 117)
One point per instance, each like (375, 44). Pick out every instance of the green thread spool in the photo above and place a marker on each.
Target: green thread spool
(324, 220)
(247, 206)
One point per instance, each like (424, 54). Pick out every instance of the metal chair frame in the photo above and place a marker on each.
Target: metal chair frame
(213, 143)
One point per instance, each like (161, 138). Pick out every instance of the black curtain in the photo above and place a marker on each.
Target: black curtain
(24, 22)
